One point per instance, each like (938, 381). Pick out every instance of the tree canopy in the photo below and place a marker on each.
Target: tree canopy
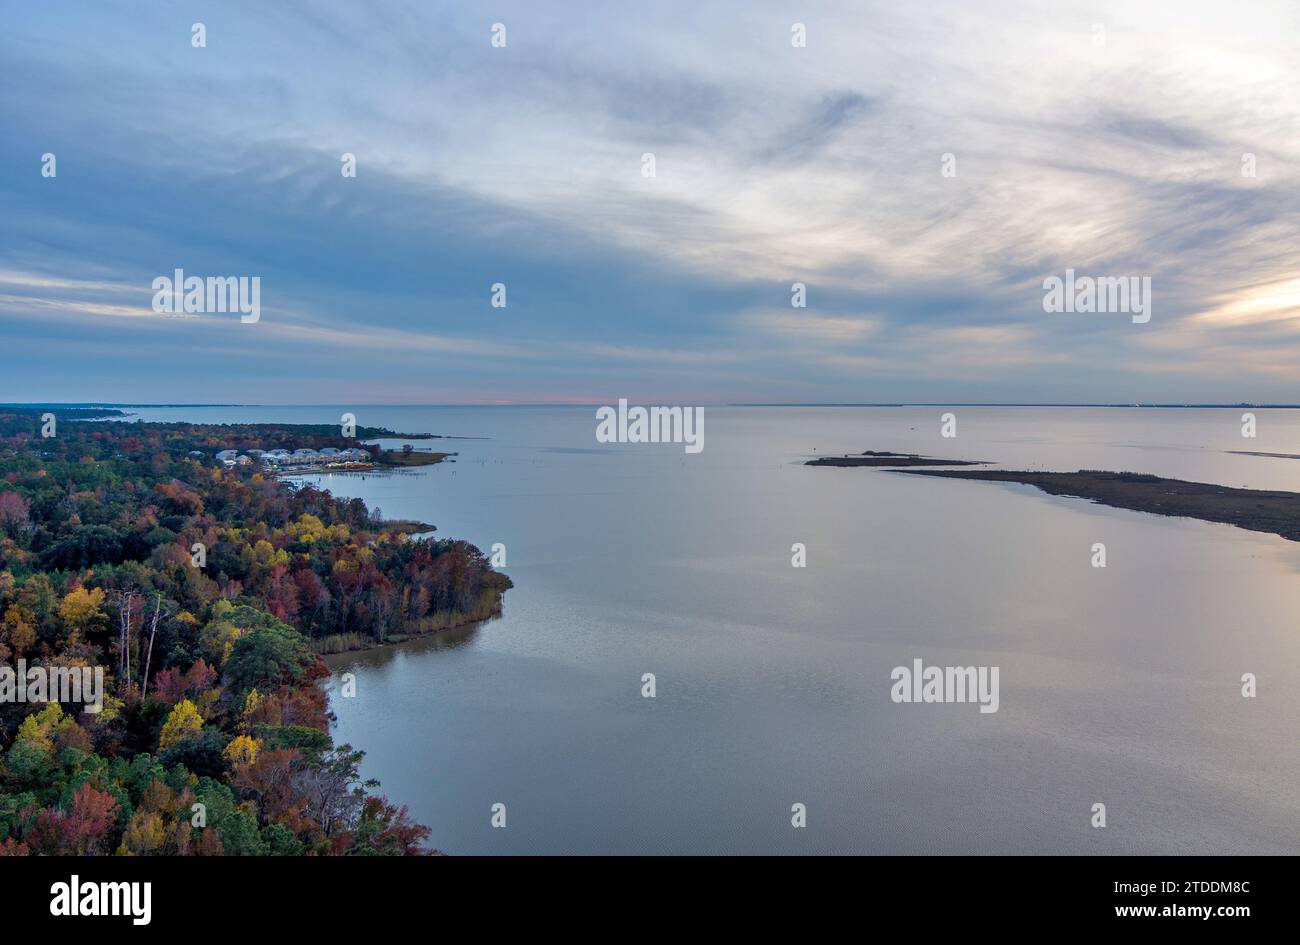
(204, 594)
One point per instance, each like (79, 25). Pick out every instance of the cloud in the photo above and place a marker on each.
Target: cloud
(774, 164)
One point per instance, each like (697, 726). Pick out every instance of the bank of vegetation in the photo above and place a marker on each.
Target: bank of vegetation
(205, 594)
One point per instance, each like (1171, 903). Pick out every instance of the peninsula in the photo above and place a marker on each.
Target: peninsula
(1257, 510)
(201, 591)
(895, 460)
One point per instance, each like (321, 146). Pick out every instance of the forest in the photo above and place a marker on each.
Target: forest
(206, 595)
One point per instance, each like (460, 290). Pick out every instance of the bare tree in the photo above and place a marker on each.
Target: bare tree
(153, 630)
(334, 790)
(124, 639)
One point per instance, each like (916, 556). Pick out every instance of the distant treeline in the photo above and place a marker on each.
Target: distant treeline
(62, 411)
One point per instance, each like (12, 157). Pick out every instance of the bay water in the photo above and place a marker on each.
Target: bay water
(1118, 685)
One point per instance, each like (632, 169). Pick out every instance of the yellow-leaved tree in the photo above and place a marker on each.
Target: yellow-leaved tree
(242, 750)
(183, 722)
(249, 714)
(80, 608)
(81, 613)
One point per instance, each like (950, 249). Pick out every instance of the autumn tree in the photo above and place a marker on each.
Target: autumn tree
(81, 831)
(183, 722)
(81, 610)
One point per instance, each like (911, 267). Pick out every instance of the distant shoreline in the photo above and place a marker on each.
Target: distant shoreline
(1242, 406)
(1258, 510)
(90, 405)
(894, 460)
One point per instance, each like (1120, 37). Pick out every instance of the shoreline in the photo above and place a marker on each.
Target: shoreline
(875, 458)
(376, 646)
(1271, 512)
(382, 463)
(143, 568)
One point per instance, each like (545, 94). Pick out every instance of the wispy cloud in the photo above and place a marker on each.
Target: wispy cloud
(774, 165)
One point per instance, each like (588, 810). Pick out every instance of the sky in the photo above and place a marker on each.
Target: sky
(921, 168)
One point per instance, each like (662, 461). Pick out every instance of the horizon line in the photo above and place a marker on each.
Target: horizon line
(597, 403)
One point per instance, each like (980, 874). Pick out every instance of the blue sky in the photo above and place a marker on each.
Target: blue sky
(1115, 152)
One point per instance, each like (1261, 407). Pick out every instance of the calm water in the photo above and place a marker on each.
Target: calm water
(1119, 686)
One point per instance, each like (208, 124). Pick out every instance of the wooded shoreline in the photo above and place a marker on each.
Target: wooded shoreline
(202, 591)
